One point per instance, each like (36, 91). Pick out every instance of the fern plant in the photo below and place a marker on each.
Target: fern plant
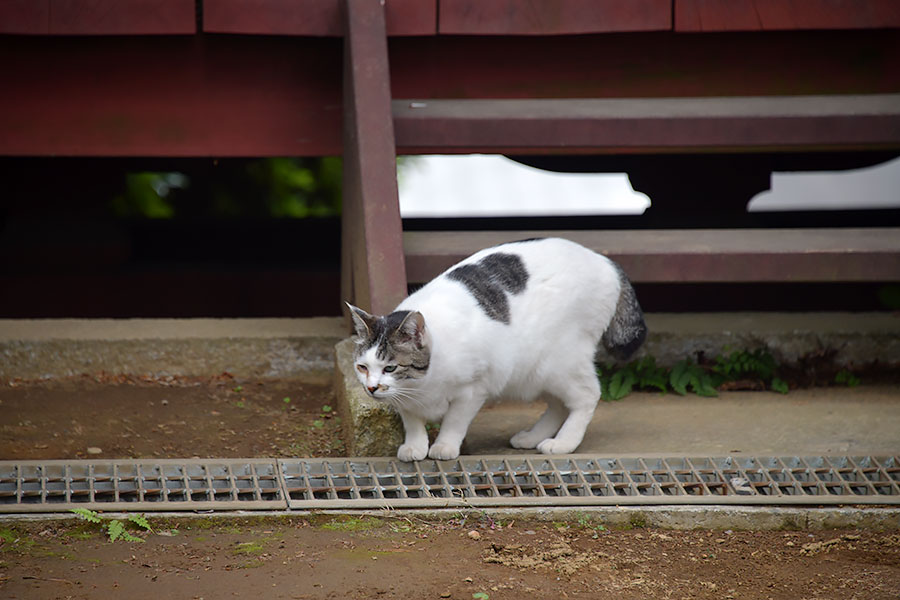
(686, 376)
(115, 528)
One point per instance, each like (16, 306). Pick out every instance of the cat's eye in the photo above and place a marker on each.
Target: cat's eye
(390, 368)
(362, 368)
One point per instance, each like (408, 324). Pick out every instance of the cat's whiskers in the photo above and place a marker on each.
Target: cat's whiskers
(400, 397)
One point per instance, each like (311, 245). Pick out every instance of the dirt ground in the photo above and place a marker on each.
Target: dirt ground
(144, 417)
(470, 556)
(467, 556)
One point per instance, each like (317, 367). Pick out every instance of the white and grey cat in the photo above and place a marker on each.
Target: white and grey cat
(517, 321)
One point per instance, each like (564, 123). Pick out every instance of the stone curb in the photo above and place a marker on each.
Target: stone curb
(713, 517)
(371, 428)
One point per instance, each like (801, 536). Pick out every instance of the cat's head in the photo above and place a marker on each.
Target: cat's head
(392, 352)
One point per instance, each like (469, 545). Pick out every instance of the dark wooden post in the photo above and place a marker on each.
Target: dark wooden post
(372, 264)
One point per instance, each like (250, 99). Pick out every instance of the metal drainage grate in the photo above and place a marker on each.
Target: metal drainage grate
(46, 486)
(261, 484)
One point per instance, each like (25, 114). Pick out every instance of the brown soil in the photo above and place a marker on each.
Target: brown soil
(382, 556)
(143, 417)
(390, 556)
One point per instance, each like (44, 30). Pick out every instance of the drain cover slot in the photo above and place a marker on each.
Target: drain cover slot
(513, 480)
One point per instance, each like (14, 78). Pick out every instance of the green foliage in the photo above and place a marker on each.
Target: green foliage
(847, 378)
(615, 384)
(87, 515)
(742, 364)
(779, 385)
(115, 529)
(236, 188)
(689, 376)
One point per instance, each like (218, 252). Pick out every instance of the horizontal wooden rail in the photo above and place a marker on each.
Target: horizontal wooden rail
(695, 255)
(617, 125)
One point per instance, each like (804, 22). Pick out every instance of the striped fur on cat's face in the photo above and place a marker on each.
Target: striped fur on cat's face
(392, 353)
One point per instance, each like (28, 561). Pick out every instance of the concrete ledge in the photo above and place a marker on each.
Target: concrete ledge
(371, 428)
(48, 348)
(850, 339)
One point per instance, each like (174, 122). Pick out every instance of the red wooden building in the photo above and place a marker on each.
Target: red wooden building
(604, 80)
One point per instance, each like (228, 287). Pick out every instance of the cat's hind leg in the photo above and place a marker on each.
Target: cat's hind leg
(579, 395)
(544, 428)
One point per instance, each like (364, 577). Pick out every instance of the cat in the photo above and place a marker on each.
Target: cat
(520, 320)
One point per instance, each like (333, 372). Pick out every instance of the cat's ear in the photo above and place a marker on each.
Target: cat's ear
(412, 330)
(362, 322)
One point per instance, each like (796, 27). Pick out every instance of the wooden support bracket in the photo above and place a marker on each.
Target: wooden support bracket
(373, 273)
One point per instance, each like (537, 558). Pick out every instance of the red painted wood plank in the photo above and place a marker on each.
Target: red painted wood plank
(24, 16)
(768, 15)
(696, 255)
(170, 96)
(649, 125)
(311, 17)
(552, 17)
(122, 17)
(646, 65)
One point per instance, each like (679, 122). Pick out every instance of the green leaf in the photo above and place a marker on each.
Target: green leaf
(846, 377)
(131, 538)
(779, 385)
(318, 424)
(326, 409)
(680, 377)
(87, 515)
(620, 384)
(705, 387)
(286, 400)
(140, 521)
(114, 529)
(480, 596)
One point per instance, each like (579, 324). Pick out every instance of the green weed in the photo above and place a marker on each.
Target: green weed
(847, 378)
(688, 376)
(353, 524)
(115, 529)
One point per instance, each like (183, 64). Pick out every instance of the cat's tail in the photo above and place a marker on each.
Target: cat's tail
(627, 330)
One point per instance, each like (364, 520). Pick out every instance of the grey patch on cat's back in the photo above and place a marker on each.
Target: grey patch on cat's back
(490, 279)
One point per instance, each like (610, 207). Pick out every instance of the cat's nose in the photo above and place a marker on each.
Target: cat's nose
(372, 389)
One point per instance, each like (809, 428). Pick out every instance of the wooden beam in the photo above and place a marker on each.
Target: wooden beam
(552, 17)
(372, 266)
(648, 124)
(122, 17)
(770, 15)
(25, 17)
(311, 17)
(694, 255)
(209, 96)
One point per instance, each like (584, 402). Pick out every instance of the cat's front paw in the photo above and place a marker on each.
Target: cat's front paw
(443, 451)
(411, 452)
(555, 446)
